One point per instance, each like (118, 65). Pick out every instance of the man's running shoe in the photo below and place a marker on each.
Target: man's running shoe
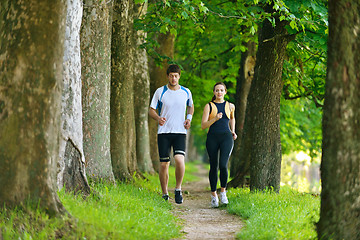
(214, 201)
(165, 197)
(223, 198)
(178, 197)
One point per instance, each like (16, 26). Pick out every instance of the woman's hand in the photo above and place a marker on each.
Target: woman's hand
(218, 116)
(234, 135)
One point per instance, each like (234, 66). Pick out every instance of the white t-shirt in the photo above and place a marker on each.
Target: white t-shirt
(172, 104)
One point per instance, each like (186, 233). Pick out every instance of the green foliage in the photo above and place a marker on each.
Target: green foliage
(268, 215)
(304, 77)
(300, 172)
(300, 127)
(305, 68)
(167, 16)
(210, 37)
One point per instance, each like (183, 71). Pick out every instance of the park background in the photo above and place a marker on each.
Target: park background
(77, 77)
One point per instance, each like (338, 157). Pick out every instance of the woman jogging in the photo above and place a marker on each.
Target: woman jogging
(219, 117)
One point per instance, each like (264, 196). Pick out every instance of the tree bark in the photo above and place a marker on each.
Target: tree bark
(122, 116)
(141, 97)
(31, 50)
(157, 79)
(340, 165)
(261, 146)
(246, 74)
(71, 135)
(96, 78)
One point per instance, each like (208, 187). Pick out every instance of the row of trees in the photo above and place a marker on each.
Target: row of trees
(63, 67)
(75, 87)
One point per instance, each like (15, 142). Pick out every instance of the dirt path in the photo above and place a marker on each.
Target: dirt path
(200, 220)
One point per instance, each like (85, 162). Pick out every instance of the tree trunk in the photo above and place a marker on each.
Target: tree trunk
(71, 135)
(122, 116)
(246, 74)
(261, 145)
(31, 50)
(141, 97)
(191, 151)
(340, 165)
(157, 79)
(96, 78)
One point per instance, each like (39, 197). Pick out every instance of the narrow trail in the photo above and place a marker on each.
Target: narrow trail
(200, 220)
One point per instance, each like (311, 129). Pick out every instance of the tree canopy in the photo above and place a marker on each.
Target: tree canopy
(210, 37)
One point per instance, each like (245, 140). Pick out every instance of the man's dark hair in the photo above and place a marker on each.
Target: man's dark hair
(173, 68)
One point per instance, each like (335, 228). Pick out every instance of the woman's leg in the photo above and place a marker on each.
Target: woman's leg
(212, 149)
(226, 147)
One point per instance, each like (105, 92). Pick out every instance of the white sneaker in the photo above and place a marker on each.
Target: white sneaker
(223, 198)
(214, 201)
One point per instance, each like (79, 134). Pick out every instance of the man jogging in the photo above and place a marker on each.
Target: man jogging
(172, 101)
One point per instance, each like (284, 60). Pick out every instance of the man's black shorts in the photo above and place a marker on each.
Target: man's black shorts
(168, 140)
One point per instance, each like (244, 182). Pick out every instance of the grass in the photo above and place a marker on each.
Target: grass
(267, 215)
(123, 211)
(136, 211)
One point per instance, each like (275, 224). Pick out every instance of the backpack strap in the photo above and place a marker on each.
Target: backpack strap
(159, 104)
(213, 110)
(187, 92)
(227, 109)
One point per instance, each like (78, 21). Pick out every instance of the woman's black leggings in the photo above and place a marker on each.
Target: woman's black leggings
(219, 147)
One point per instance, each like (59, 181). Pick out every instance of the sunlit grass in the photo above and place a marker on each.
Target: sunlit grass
(268, 215)
(123, 211)
(136, 211)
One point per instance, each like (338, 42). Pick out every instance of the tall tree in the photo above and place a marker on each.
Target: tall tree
(340, 165)
(31, 50)
(96, 77)
(71, 171)
(262, 121)
(303, 81)
(158, 79)
(243, 84)
(141, 95)
(122, 116)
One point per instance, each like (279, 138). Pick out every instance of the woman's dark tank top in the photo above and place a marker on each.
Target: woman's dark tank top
(221, 125)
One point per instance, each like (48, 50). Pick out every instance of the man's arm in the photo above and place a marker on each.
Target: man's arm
(153, 114)
(190, 113)
(190, 110)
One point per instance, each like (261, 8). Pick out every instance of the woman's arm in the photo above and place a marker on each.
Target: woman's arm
(205, 123)
(232, 121)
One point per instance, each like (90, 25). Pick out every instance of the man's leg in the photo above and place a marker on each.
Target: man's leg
(164, 176)
(179, 169)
